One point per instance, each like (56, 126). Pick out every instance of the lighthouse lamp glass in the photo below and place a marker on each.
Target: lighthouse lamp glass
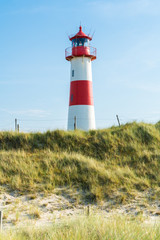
(80, 42)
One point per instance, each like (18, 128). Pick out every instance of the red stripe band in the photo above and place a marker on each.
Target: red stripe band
(81, 93)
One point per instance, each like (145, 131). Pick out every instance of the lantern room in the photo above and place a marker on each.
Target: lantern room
(80, 46)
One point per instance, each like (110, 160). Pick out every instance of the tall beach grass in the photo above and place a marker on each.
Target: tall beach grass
(88, 228)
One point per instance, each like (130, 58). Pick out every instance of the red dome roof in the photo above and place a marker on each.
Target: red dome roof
(80, 34)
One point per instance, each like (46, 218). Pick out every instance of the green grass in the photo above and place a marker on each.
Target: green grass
(89, 228)
(110, 163)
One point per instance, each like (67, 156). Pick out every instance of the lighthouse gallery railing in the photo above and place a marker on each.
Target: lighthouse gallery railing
(88, 51)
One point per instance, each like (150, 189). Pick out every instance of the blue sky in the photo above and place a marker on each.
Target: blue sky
(34, 75)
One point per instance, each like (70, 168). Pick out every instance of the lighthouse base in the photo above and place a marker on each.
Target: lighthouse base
(85, 117)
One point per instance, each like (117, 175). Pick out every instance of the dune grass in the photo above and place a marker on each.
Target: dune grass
(101, 163)
(89, 228)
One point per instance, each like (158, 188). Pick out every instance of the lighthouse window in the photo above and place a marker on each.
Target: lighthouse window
(72, 73)
(74, 43)
(86, 42)
(80, 42)
(72, 98)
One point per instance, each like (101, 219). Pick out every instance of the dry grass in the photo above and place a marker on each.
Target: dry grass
(35, 213)
(90, 228)
(113, 163)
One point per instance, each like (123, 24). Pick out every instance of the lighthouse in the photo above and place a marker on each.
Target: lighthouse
(81, 113)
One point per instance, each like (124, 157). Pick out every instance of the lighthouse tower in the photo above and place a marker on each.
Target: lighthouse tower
(81, 107)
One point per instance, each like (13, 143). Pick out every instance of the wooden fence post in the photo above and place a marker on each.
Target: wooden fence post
(1, 217)
(75, 123)
(118, 120)
(15, 124)
(88, 210)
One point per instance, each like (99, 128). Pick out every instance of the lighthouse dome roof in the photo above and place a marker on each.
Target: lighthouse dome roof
(80, 34)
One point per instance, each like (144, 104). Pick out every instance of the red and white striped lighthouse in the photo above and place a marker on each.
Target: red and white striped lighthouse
(81, 106)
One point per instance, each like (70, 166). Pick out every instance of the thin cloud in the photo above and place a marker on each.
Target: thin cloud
(153, 88)
(145, 86)
(28, 112)
(13, 82)
(34, 10)
(126, 8)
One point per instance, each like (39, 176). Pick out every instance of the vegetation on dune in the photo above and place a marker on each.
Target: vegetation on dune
(100, 163)
(89, 228)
